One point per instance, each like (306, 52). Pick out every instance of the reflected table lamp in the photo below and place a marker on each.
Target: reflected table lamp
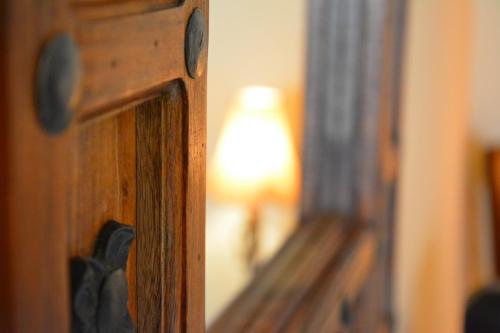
(255, 161)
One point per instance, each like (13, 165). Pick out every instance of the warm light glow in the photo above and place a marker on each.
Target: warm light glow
(255, 157)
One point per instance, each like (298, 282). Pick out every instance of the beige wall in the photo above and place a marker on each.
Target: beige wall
(431, 231)
(451, 117)
(254, 42)
(431, 216)
(485, 116)
(450, 94)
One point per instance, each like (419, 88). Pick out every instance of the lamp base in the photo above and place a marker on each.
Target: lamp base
(251, 240)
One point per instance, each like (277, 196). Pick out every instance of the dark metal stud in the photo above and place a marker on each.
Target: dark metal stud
(99, 285)
(195, 43)
(58, 75)
(345, 313)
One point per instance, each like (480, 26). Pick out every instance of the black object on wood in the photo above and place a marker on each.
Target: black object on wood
(345, 313)
(195, 42)
(99, 285)
(57, 80)
(483, 311)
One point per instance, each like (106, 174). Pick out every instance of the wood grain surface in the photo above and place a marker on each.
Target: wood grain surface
(134, 152)
(302, 289)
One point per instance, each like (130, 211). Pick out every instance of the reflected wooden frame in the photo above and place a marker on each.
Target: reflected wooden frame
(335, 272)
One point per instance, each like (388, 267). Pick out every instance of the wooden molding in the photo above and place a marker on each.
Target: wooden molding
(321, 267)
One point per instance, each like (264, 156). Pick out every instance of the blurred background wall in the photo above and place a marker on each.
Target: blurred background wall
(484, 124)
(451, 117)
(252, 42)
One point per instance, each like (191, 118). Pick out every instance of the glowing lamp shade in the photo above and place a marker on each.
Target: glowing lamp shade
(255, 158)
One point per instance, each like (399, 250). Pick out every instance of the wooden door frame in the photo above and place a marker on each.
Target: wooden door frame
(36, 185)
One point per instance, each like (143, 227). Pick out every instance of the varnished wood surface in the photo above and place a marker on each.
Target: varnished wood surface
(303, 287)
(150, 215)
(195, 188)
(121, 2)
(103, 9)
(161, 263)
(341, 285)
(104, 170)
(390, 128)
(493, 171)
(174, 187)
(59, 190)
(246, 307)
(126, 57)
(36, 172)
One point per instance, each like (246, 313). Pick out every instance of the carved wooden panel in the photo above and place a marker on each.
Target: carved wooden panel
(133, 152)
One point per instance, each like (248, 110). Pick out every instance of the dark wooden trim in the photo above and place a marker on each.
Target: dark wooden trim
(90, 10)
(391, 101)
(341, 144)
(302, 289)
(493, 173)
(6, 306)
(352, 124)
(150, 217)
